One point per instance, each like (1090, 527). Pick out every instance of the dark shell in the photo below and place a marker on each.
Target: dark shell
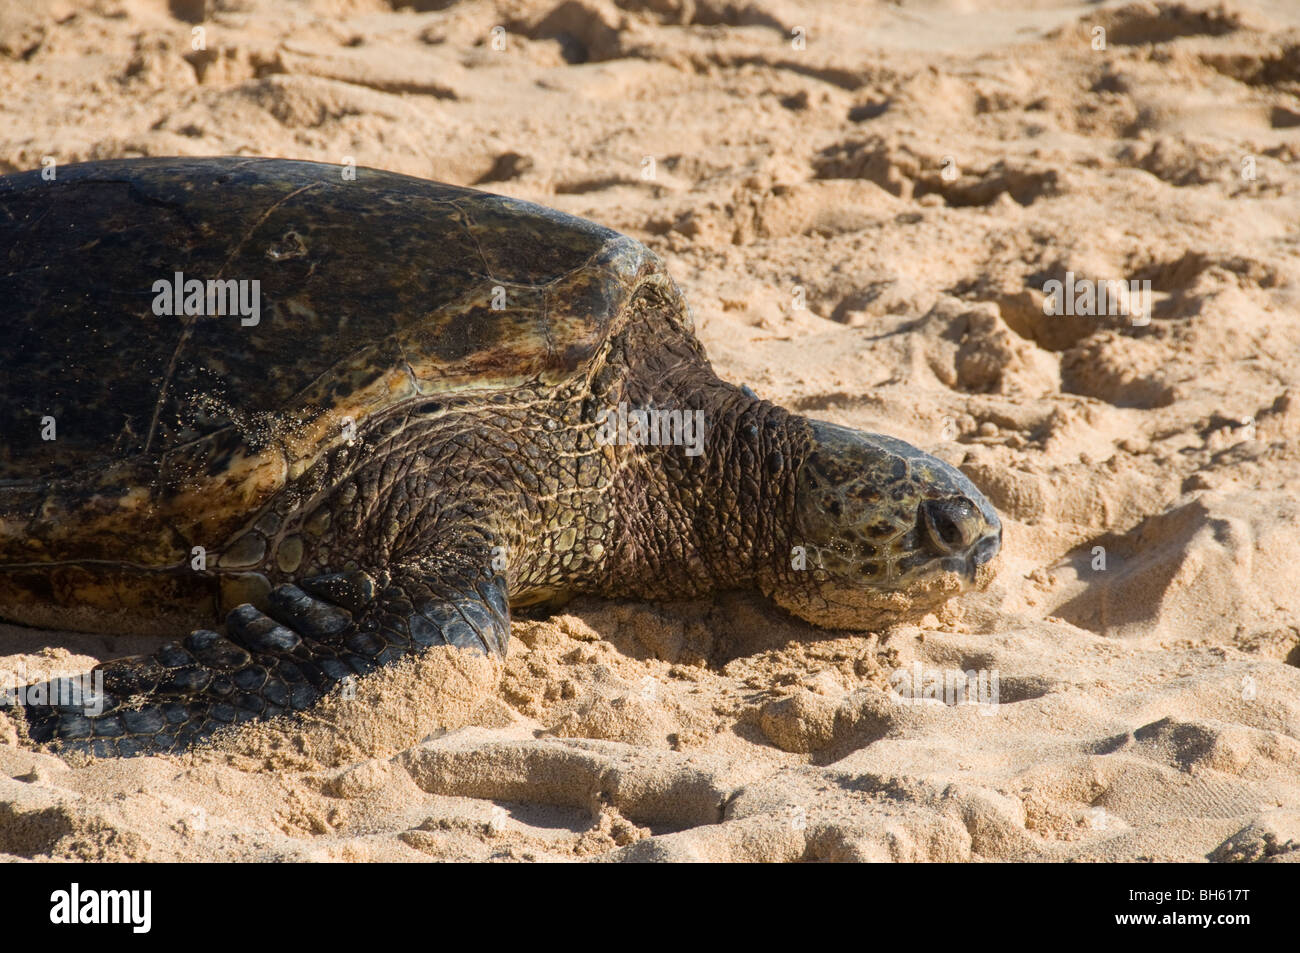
(375, 290)
(371, 289)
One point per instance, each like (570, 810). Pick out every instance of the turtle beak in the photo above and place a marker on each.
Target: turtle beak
(958, 527)
(987, 548)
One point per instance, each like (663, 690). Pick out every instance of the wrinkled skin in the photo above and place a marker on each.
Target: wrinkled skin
(387, 462)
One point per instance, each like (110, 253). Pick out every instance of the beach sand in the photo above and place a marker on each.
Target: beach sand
(864, 202)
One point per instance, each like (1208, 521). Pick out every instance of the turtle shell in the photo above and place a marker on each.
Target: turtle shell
(375, 289)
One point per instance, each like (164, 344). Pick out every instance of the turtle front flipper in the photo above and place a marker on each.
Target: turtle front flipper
(312, 639)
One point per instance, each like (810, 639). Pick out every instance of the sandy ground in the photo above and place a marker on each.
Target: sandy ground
(914, 175)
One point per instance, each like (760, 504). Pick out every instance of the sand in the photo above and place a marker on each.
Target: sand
(913, 177)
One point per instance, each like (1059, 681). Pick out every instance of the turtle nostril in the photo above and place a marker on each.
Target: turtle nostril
(949, 525)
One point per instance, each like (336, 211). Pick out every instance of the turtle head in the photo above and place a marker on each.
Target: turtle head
(881, 531)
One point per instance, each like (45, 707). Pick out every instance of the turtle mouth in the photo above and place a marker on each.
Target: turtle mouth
(945, 549)
(921, 583)
(986, 549)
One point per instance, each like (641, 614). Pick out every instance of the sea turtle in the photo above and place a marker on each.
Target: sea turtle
(354, 414)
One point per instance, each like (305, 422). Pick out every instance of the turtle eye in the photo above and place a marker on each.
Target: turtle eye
(949, 526)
